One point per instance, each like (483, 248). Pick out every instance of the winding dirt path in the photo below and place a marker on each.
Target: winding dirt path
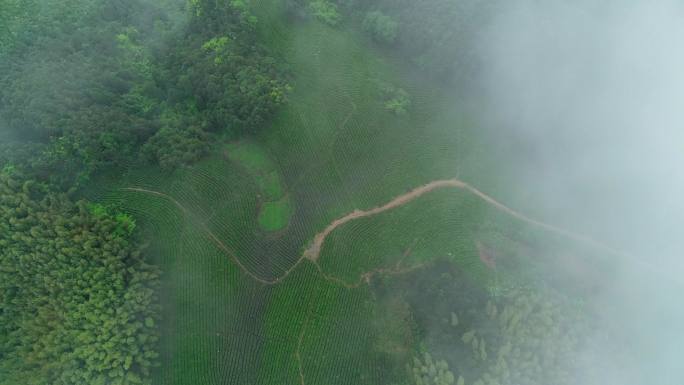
(231, 254)
(314, 250)
(312, 253)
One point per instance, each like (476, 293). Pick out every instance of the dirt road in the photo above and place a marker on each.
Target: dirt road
(313, 251)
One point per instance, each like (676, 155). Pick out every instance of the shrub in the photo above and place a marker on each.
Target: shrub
(396, 100)
(172, 147)
(325, 11)
(383, 28)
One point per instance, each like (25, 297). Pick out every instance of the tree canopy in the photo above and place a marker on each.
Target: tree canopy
(92, 81)
(77, 301)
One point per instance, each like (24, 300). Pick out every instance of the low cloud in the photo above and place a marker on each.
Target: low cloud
(593, 93)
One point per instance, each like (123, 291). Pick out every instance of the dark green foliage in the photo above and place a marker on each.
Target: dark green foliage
(296, 9)
(15, 154)
(42, 161)
(520, 336)
(125, 224)
(78, 81)
(325, 11)
(233, 92)
(214, 16)
(77, 301)
(22, 21)
(222, 71)
(395, 99)
(172, 147)
(382, 27)
(91, 81)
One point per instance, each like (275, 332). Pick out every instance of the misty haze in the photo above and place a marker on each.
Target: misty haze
(305, 192)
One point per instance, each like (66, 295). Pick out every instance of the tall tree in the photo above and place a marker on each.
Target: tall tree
(78, 303)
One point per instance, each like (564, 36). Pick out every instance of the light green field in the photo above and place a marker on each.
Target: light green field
(275, 215)
(270, 186)
(250, 156)
(276, 207)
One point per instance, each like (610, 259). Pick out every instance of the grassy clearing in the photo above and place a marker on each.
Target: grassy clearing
(250, 156)
(276, 207)
(270, 186)
(275, 215)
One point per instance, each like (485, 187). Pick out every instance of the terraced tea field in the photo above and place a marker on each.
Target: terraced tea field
(251, 294)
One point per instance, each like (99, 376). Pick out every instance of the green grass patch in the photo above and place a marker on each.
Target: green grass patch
(275, 215)
(270, 186)
(251, 156)
(276, 206)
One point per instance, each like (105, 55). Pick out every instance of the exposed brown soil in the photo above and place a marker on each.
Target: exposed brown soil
(485, 255)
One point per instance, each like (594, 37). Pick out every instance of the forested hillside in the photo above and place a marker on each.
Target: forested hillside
(90, 86)
(78, 302)
(87, 84)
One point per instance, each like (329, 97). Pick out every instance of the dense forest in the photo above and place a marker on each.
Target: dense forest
(78, 301)
(88, 85)
(91, 85)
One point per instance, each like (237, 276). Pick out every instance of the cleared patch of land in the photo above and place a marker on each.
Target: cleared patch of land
(276, 208)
